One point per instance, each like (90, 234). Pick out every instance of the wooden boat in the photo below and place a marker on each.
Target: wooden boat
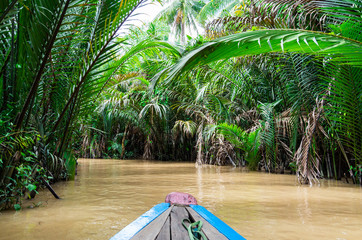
(179, 218)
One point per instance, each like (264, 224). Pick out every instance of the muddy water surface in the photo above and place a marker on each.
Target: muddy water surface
(108, 194)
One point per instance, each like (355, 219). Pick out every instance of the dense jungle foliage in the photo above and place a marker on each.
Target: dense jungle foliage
(272, 85)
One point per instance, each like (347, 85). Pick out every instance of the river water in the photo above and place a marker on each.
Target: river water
(109, 194)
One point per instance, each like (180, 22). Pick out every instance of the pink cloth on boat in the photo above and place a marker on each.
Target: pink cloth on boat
(180, 198)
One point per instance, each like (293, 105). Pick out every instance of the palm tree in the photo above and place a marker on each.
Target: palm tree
(181, 15)
(344, 48)
(127, 97)
(53, 62)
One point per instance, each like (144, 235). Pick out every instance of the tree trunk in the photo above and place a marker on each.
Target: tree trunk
(123, 141)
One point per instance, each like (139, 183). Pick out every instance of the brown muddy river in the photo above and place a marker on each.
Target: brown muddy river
(108, 194)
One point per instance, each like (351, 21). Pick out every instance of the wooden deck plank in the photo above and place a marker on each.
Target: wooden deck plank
(210, 231)
(165, 233)
(177, 229)
(151, 231)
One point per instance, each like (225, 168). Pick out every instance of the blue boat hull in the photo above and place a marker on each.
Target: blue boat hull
(143, 221)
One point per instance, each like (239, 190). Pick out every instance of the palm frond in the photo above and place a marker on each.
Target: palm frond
(215, 8)
(306, 158)
(188, 128)
(266, 41)
(269, 135)
(345, 107)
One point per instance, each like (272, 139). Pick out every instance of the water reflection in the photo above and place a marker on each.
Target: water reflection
(303, 209)
(109, 194)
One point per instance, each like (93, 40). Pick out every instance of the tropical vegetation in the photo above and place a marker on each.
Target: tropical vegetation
(272, 85)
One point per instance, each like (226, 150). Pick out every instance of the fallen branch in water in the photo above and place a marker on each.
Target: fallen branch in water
(50, 189)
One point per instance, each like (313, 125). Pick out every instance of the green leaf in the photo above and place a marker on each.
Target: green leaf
(31, 187)
(17, 207)
(267, 41)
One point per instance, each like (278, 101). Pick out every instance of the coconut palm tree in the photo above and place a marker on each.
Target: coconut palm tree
(181, 15)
